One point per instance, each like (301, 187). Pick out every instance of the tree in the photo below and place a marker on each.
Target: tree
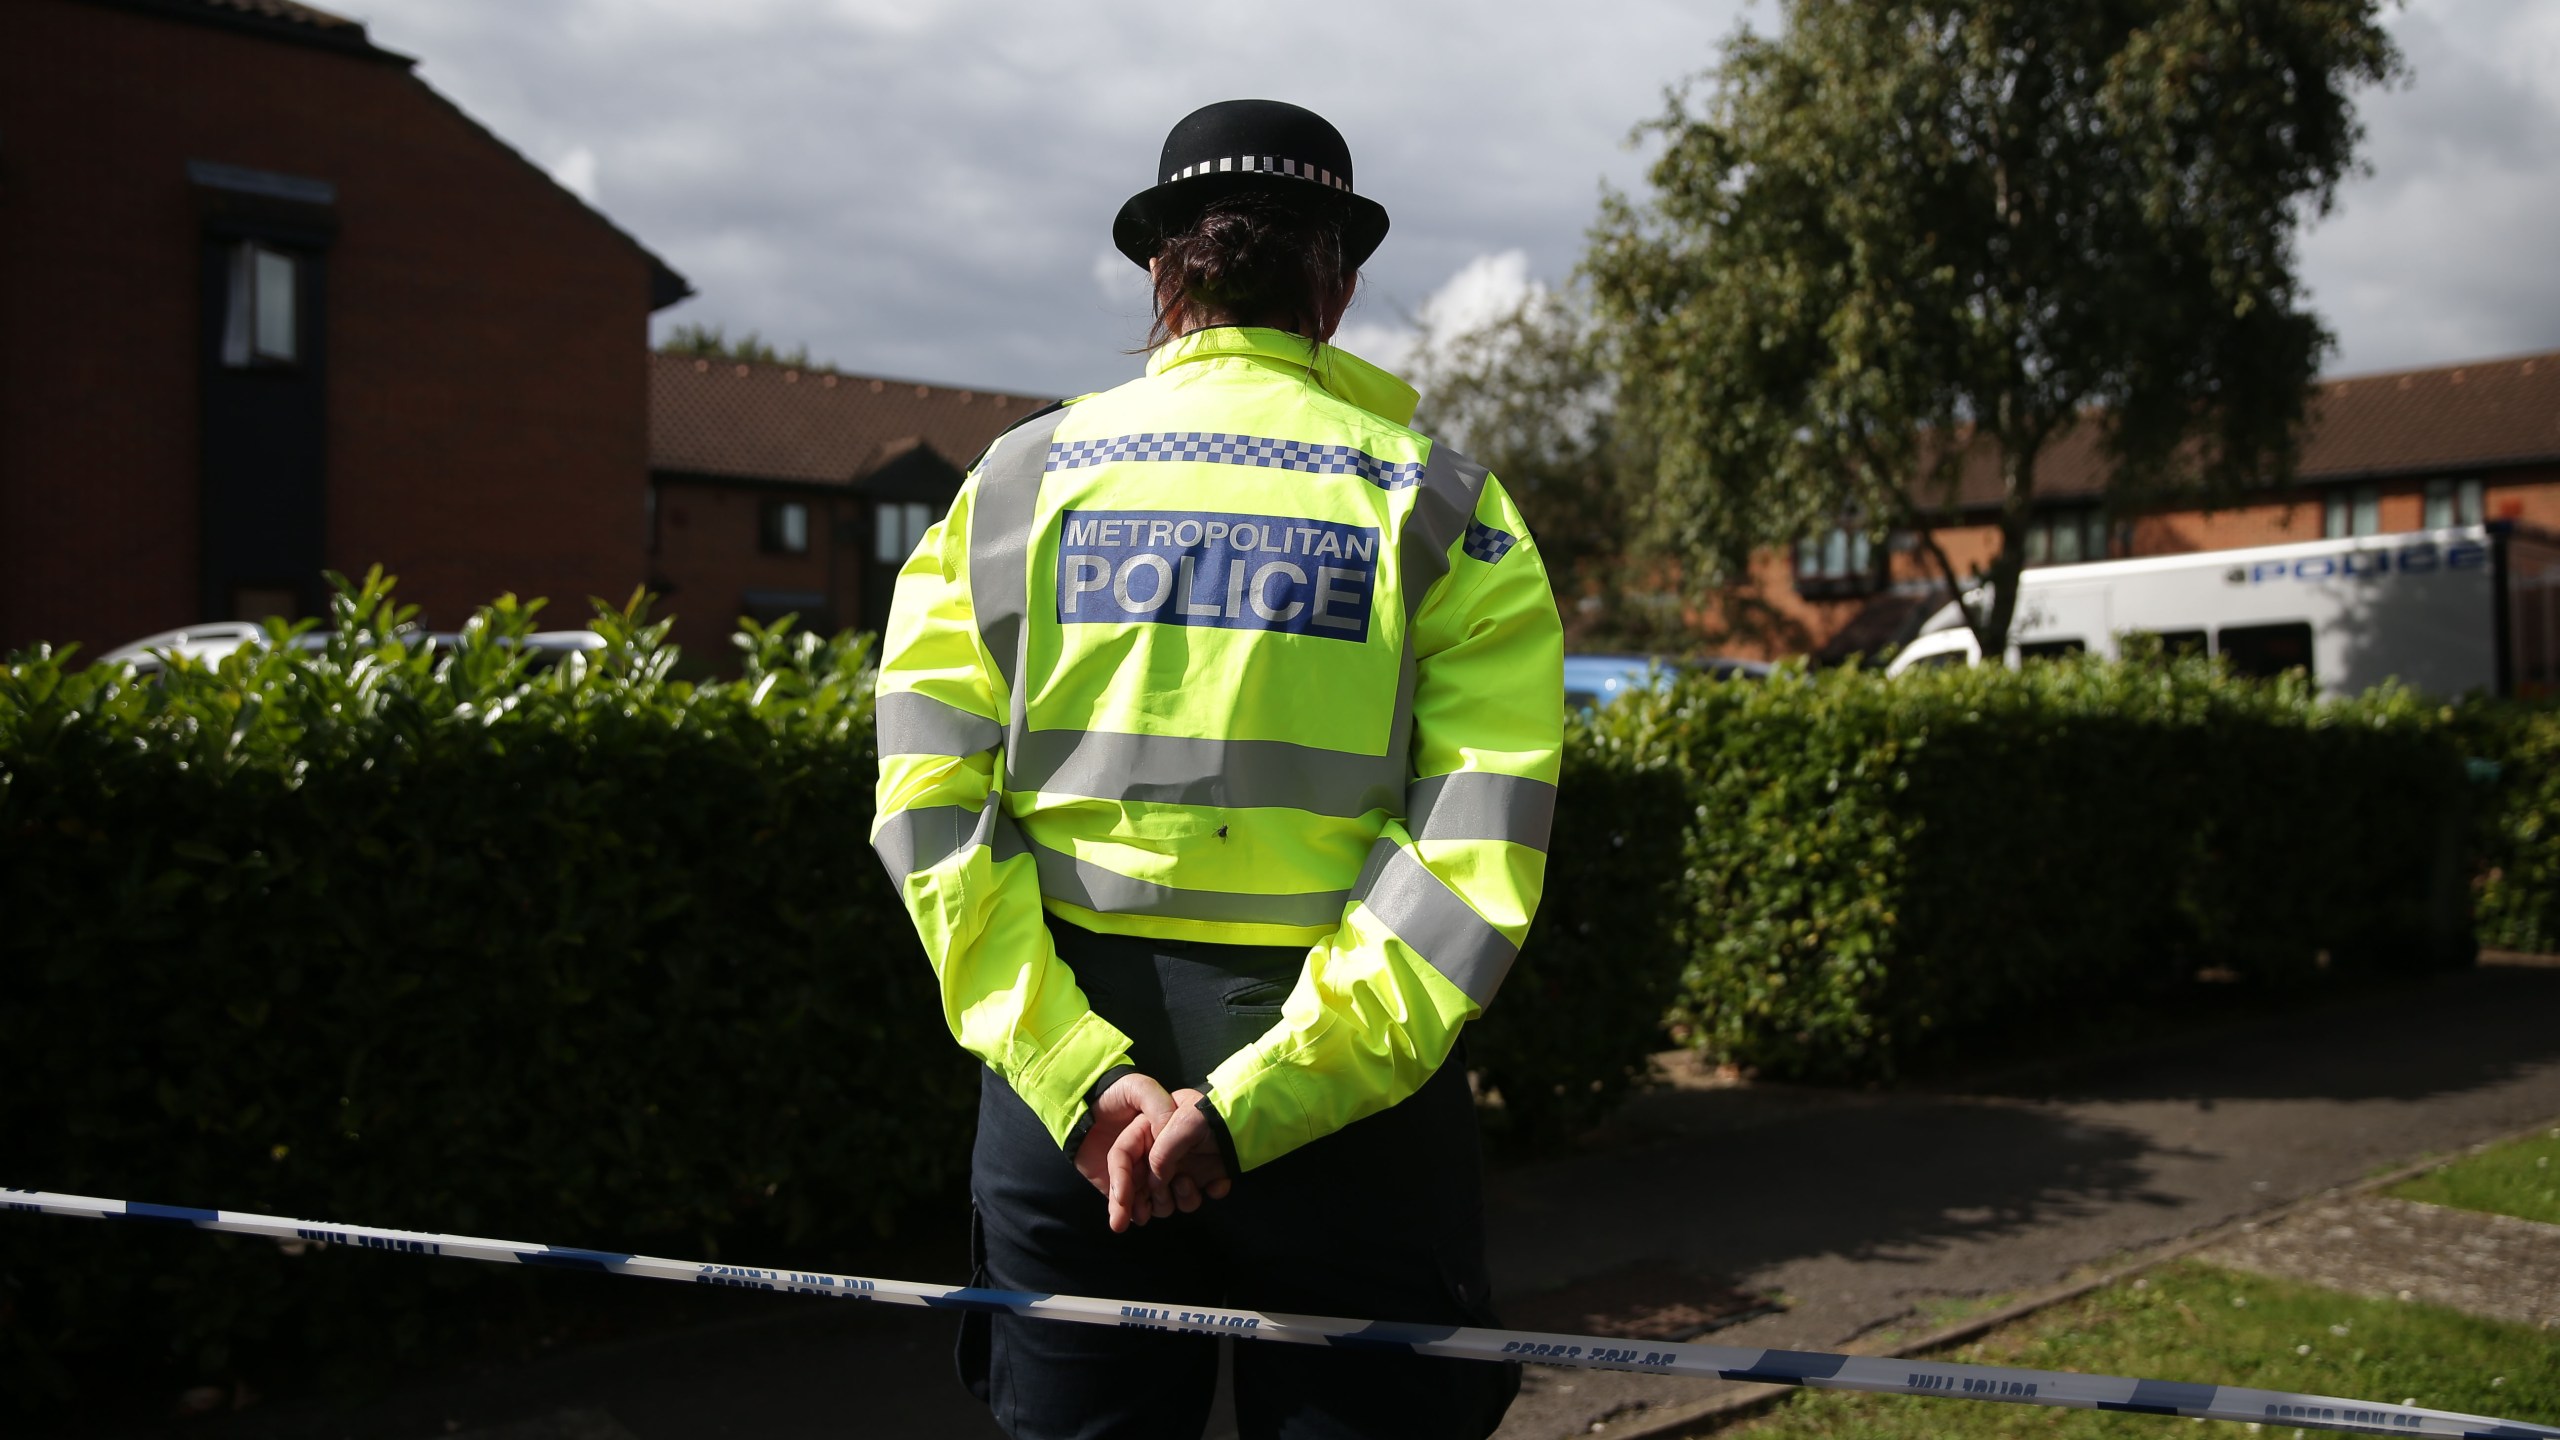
(1903, 236)
(712, 342)
(1529, 395)
(1524, 395)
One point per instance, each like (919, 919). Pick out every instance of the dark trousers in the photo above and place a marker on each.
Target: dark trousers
(1383, 1220)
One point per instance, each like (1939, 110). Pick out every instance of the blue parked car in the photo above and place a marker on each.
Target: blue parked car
(1591, 682)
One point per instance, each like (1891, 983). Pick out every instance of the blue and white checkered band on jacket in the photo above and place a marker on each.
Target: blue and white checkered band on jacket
(1211, 448)
(1267, 164)
(1487, 544)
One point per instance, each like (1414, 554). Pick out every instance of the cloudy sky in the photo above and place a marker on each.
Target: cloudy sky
(924, 188)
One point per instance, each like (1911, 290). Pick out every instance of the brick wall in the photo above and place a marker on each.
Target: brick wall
(2528, 497)
(2178, 532)
(709, 547)
(486, 333)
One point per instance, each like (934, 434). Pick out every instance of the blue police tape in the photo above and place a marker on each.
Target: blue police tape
(1871, 1374)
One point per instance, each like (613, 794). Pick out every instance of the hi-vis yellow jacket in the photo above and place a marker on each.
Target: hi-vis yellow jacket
(1227, 653)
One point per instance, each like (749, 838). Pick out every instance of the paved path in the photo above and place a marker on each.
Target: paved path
(1856, 1208)
(2384, 1247)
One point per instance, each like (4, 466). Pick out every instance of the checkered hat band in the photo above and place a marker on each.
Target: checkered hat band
(1267, 164)
(1205, 448)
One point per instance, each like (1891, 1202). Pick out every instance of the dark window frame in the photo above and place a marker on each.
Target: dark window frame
(2250, 664)
(2454, 500)
(2346, 509)
(1841, 562)
(248, 286)
(2085, 524)
(898, 525)
(262, 486)
(773, 528)
(2174, 644)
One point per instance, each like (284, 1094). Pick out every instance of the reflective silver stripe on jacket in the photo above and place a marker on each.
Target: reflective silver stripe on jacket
(1451, 486)
(1481, 805)
(1443, 504)
(1429, 916)
(1000, 539)
(1108, 892)
(924, 837)
(1183, 770)
(913, 724)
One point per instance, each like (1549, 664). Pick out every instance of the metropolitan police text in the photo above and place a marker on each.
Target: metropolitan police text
(1231, 571)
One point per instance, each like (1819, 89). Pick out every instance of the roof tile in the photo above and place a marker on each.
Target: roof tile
(773, 422)
(2453, 417)
(2476, 415)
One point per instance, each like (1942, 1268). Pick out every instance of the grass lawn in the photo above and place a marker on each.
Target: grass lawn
(1937, 1313)
(2194, 1322)
(2520, 1178)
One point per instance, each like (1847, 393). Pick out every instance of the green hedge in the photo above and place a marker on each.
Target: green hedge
(1579, 1018)
(587, 956)
(1876, 870)
(2518, 747)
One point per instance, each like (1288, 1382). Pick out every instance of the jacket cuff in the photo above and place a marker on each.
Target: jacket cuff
(1207, 1106)
(1074, 1140)
(1073, 1058)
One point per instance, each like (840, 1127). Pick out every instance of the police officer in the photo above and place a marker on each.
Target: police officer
(1218, 727)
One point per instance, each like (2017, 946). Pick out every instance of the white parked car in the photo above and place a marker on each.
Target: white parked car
(209, 642)
(1592, 682)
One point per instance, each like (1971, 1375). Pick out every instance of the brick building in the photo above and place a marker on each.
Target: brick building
(2381, 453)
(269, 305)
(774, 490)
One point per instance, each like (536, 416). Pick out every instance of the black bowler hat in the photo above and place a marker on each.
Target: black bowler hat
(1237, 146)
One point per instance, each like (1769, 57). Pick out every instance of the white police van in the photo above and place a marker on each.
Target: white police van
(2472, 607)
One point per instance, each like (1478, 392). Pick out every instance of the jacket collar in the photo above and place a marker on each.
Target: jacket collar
(1338, 372)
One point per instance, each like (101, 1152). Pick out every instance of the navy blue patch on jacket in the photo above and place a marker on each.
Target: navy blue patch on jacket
(1216, 568)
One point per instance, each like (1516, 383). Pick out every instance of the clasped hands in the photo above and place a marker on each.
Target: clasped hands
(1151, 1153)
